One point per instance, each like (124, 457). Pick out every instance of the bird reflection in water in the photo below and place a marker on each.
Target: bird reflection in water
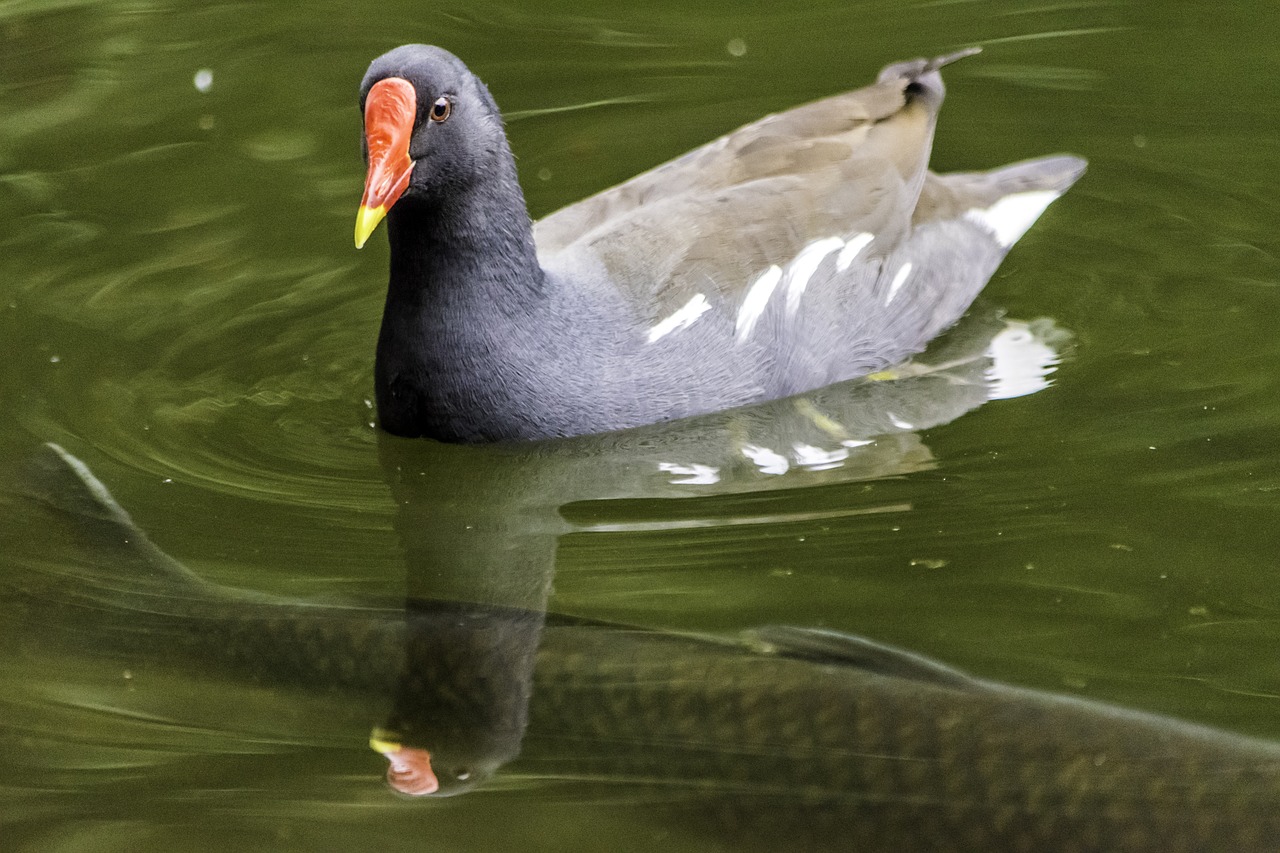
(787, 736)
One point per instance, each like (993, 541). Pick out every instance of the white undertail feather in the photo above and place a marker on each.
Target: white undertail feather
(1010, 217)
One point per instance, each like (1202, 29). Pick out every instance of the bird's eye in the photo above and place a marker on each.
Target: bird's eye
(440, 109)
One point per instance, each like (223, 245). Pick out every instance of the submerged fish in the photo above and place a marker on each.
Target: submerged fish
(780, 737)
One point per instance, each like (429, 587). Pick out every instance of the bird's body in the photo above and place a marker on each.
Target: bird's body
(807, 248)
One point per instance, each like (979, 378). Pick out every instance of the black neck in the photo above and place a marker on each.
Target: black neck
(464, 274)
(473, 241)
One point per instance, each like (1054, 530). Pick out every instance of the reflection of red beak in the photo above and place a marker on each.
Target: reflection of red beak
(389, 113)
(410, 771)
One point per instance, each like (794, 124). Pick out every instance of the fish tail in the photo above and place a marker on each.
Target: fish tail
(122, 561)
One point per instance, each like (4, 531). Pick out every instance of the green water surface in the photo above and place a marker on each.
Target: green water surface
(182, 308)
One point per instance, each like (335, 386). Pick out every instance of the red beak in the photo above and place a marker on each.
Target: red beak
(389, 113)
(410, 771)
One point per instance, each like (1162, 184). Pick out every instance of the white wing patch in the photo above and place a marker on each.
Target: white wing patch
(898, 280)
(1010, 217)
(756, 300)
(804, 266)
(681, 319)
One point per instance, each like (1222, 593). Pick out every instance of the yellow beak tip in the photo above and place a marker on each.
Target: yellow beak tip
(384, 742)
(367, 219)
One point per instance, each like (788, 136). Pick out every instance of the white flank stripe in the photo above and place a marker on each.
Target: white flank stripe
(1010, 217)
(692, 310)
(851, 249)
(756, 300)
(804, 266)
(898, 281)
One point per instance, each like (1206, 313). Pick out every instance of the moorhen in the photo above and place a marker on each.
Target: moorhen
(809, 247)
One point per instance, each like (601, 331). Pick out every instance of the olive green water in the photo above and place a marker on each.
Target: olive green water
(181, 307)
